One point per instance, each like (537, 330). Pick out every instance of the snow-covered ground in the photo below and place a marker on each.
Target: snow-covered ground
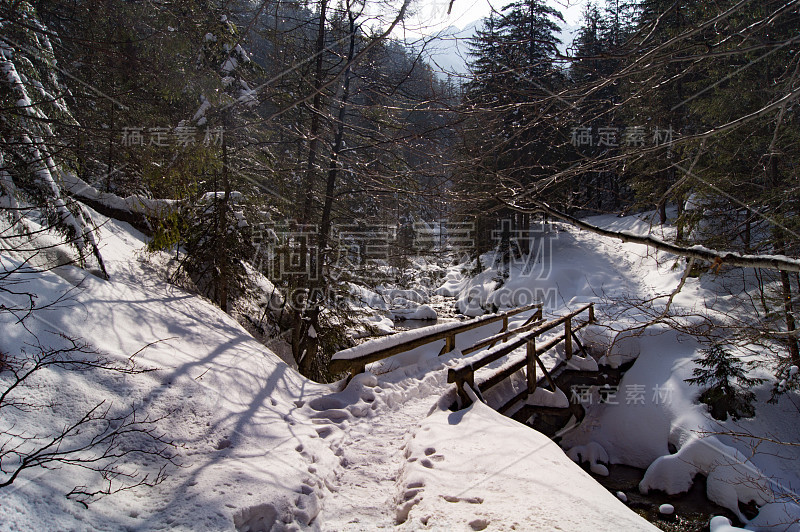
(259, 447)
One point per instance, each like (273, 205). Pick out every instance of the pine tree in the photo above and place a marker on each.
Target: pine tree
(596, 53)
(34, 114)
(508, 101)
(726, 383)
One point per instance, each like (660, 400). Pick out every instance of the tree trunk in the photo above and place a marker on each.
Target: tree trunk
(299, 333)
(786, 285)
(333, 166)
(662, 211)
(788, 310)
(222, 238)
(316, 109)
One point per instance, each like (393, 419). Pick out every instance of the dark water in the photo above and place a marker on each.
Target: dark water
(693, 510)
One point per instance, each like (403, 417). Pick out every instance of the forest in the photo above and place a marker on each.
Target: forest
(304, 123)
(287, 157)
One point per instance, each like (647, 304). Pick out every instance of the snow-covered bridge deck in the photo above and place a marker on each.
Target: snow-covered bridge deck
(502, 344)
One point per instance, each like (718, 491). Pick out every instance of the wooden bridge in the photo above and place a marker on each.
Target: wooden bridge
(502, 344)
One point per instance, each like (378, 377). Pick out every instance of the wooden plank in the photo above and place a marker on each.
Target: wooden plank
(450, 343)
(500, 336)
(531, 363)
(534, 317)
(579, 344)
(568, 337)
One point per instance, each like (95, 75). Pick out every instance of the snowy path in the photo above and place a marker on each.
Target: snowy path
(364, 493)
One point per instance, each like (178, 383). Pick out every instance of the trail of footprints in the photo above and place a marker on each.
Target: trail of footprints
(414, 491)
(369, 429)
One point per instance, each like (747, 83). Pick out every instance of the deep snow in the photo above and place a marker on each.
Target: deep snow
(260, 446)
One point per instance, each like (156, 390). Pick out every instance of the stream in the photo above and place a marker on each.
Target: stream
(693, 510)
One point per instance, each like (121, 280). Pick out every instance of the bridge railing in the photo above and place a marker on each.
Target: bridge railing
(356, 358)
(464, 373)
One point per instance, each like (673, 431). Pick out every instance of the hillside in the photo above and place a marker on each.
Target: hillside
(254, 444)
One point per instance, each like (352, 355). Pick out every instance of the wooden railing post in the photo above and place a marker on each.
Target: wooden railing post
(461, 377)
(591, 312)
(449, 344)
(568, 337)
(531, 365)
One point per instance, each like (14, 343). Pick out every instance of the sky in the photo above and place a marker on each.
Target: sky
(431, 16)
(448, 53)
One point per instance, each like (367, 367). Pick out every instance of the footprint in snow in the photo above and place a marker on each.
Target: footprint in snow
(470, 500)
(426, 463)
(334, 415)
(479, 524)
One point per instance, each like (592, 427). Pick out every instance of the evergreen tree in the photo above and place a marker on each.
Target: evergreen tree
(726, 383)
(596, 59)
(34, 114)
(509, 102)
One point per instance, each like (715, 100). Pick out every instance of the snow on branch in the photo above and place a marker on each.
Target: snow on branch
(768, 262)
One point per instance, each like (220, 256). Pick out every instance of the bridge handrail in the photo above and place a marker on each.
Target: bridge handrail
(464, 372)
(356, 358)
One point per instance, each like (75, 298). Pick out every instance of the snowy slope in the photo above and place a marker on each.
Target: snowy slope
(259, 447)
(653, 407)
(232, 405)
(475, 469)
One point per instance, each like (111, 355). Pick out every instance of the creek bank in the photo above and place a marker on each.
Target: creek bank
(693, 509)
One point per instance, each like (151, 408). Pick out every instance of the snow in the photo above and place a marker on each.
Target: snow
(416, 295)
(135, 203)
(415, 312)
(666, 509)
(231, 404)
(545, 397)
(655, 407)
(593, 454)
(261, 447)
(720, 523)
(200, 115)
(730, 475)
(476, 469)
(229, 65)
